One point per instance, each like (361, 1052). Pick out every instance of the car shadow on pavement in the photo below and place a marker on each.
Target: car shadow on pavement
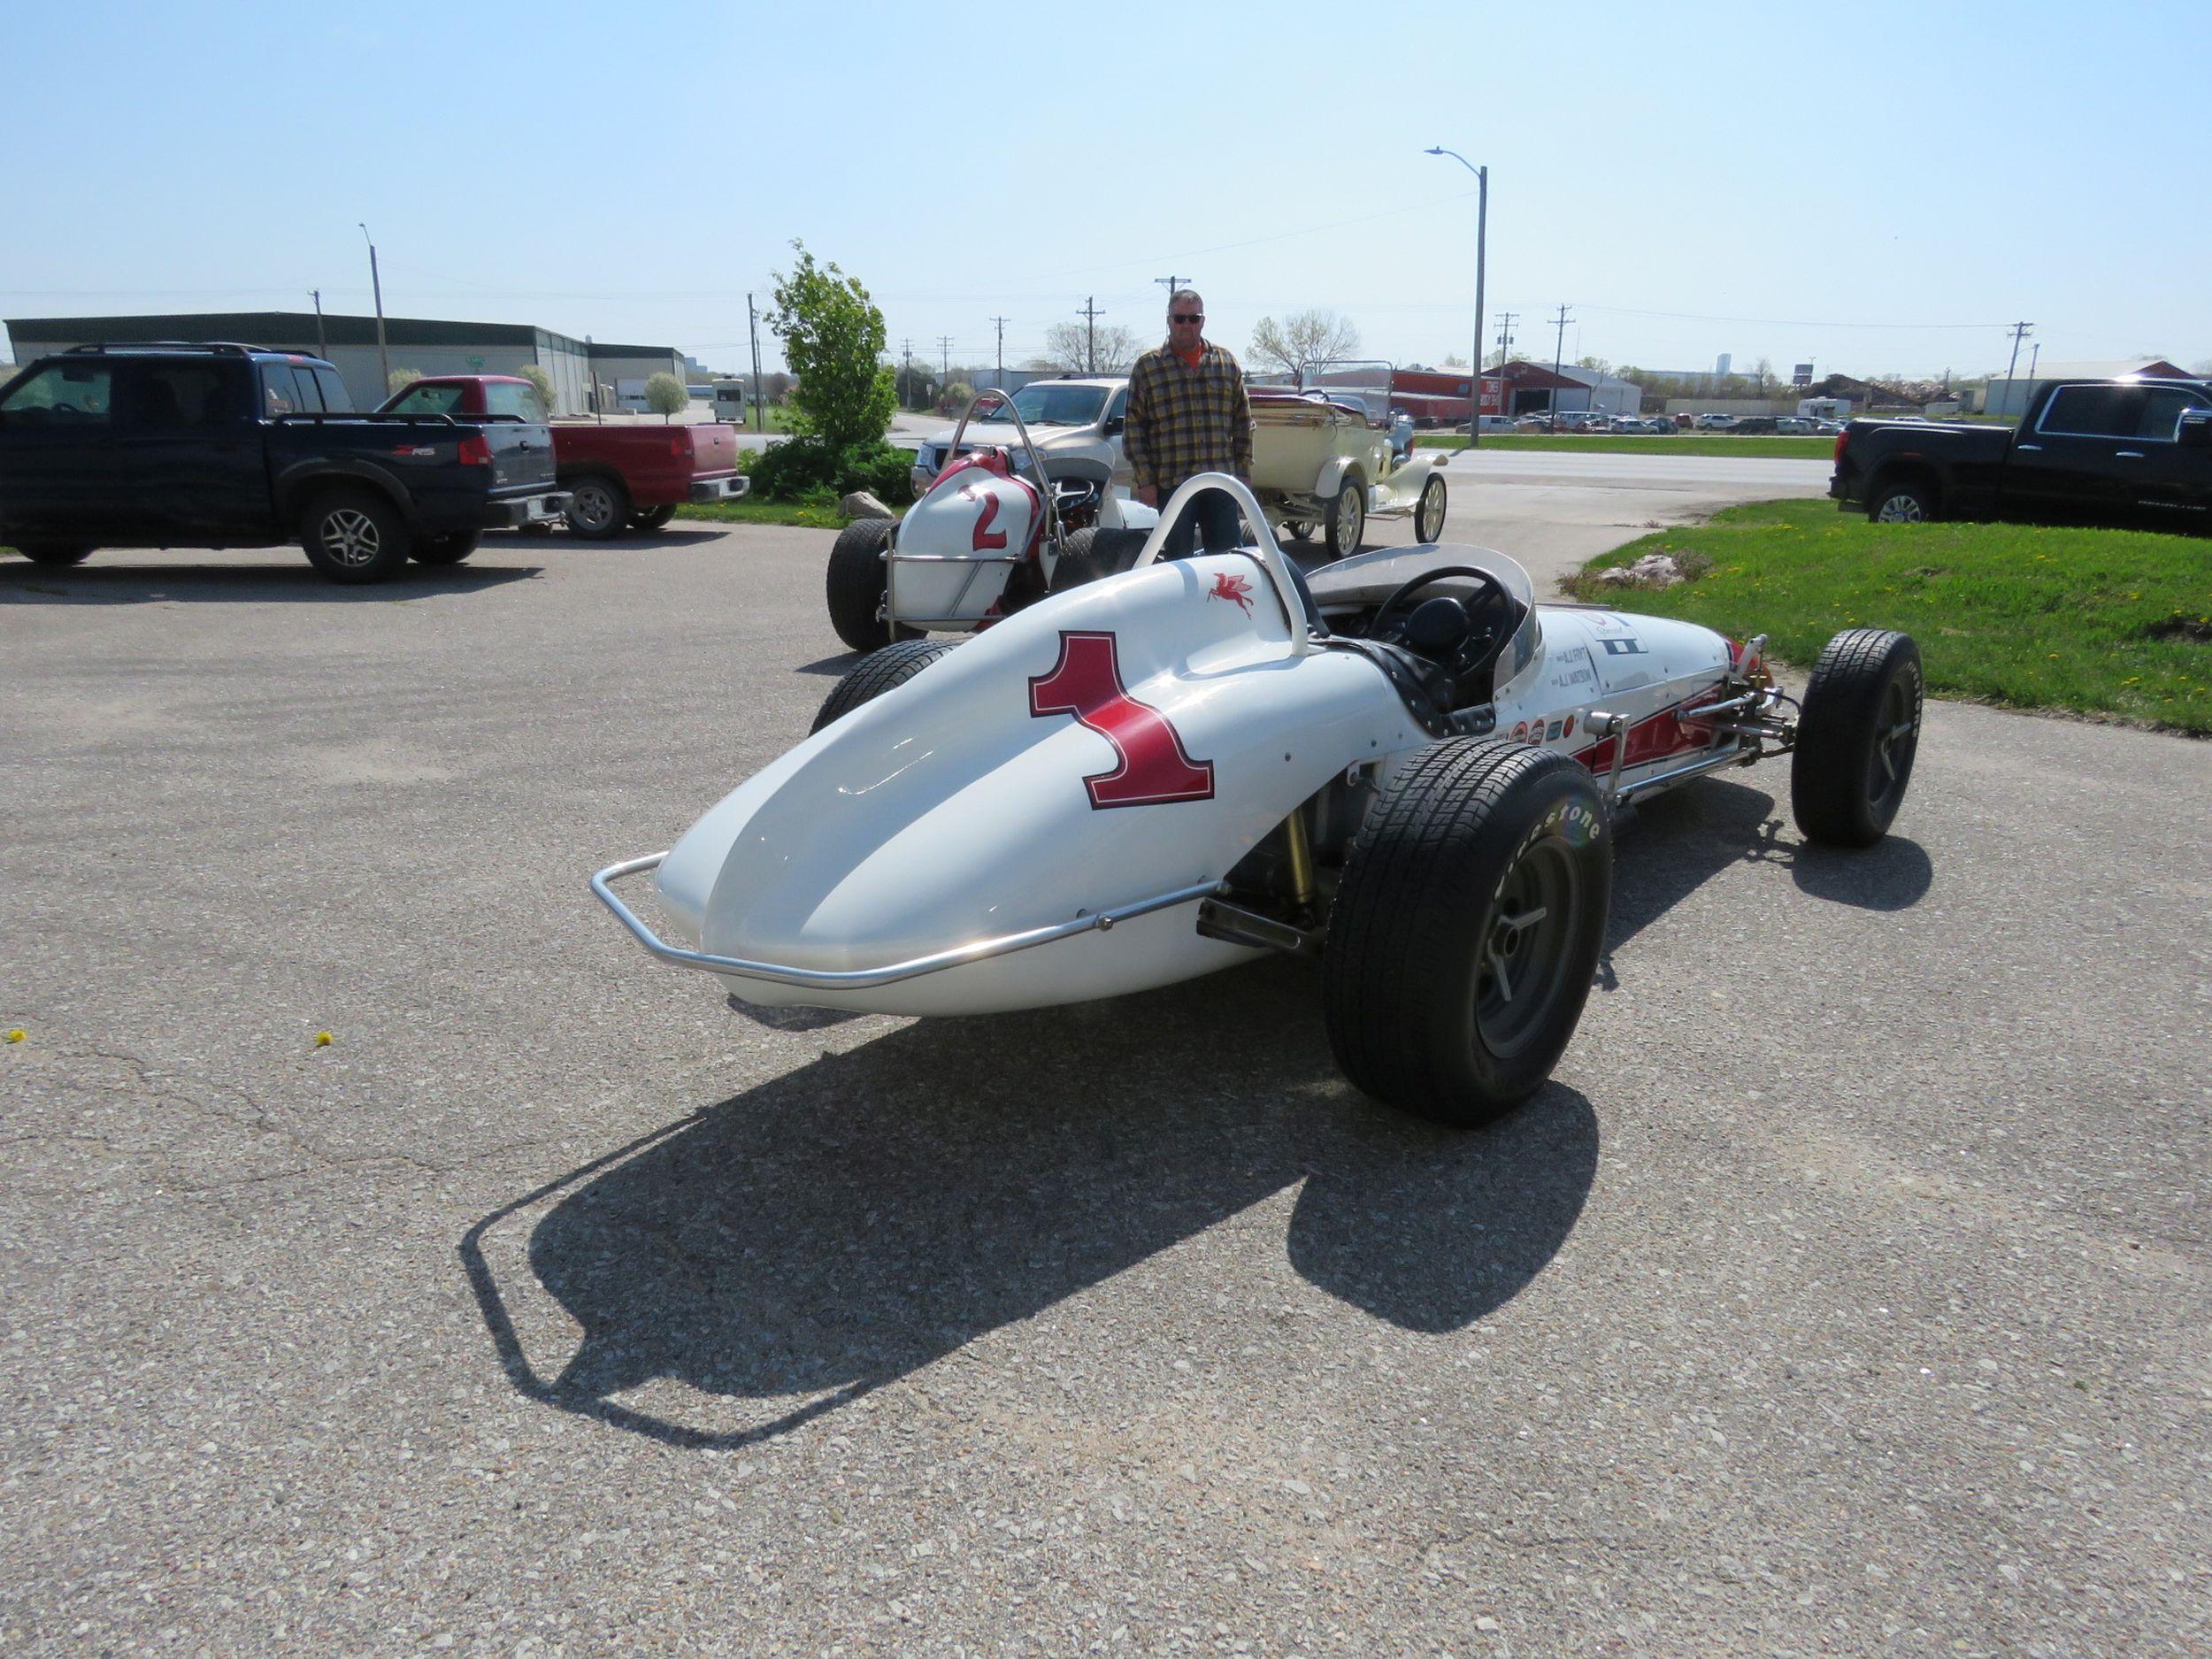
(669, 539)
(300, 583)
(780, 1254)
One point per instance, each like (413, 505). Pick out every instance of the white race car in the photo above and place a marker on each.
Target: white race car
(1404, 768)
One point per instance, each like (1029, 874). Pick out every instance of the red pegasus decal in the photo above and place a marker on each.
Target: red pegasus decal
(1233, 589)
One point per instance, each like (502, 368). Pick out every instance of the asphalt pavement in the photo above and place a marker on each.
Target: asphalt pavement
(1845, 1293)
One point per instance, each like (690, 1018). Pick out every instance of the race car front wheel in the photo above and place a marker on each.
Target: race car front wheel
(1857, 737)
(893, 666)
(1467, 929)
(857, 584)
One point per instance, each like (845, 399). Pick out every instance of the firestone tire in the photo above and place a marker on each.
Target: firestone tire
(1428, 513)
(355, 535)
(598, 507)
(445, 550)
(653, 519)
(1857, 737)
(1091, 553)
(54, 553)
(1467, 929)
(1344, 527)
(855, 584)
(893, 666)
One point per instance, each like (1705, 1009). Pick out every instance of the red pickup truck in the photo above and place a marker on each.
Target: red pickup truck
(619, 476)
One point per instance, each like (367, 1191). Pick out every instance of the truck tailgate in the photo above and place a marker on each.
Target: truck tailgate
(713, 449)
(522, 456)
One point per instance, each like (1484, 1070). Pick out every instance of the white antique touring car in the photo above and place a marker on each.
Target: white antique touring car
(1403, 766)
(1322, 457)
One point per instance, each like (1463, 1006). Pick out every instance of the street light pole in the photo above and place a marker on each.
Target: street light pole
(1482, 250)
(376, 285)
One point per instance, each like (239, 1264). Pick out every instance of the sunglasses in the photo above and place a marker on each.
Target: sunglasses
(1186, 317)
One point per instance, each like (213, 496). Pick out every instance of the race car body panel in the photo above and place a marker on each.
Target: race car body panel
(1125, 739)
(1642, 669)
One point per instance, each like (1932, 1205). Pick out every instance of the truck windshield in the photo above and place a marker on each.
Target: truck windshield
(1044, 404)
(503, 398)
(426, 399)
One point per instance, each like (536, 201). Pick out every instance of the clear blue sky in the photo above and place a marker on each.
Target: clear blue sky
(1876, 187)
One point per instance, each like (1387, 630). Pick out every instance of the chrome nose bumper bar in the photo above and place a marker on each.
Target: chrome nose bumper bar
(867, 978)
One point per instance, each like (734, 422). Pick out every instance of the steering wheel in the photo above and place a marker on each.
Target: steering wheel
(1470, 650)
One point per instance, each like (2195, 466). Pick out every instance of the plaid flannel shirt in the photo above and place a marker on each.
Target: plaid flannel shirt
(1184, 420)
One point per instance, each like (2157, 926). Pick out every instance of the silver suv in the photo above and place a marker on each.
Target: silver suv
(1070, 419)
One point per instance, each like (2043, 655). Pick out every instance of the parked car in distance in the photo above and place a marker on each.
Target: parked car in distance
(2126, 451)
(1500, 423)
(220, 445)
(1712, 423)
(1070, 419)
(1796, 423)
(619, 476)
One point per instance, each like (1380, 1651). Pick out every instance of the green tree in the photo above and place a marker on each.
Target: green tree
(400, 379)
(537, 377)
(665, 394)
(958, 394)
(834, 341)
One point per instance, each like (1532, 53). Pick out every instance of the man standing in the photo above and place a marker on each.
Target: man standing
(1187, 414)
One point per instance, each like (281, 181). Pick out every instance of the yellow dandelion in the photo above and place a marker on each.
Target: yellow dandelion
(323, 1040)
(17, 1034)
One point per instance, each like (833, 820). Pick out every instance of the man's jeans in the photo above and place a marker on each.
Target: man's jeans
(1212, 513)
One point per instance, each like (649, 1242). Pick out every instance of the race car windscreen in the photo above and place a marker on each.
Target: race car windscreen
(1043, 404)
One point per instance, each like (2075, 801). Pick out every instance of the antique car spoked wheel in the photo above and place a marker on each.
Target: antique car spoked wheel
(1519, 978)
(1348, 519)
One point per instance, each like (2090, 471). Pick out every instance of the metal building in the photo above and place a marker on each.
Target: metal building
(425, 345)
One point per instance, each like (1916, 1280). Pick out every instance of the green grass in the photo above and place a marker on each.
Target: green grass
(2096, 621)
(766, 513)
(1805, 449)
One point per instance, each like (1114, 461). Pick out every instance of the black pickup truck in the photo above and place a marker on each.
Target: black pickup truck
(2130, 452)
(224, 446)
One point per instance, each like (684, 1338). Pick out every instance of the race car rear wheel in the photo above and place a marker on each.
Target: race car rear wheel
(1428, 513)
(1467, 929)
(857, 583)
(1093, 552)
(1857, 737)
(878, 672)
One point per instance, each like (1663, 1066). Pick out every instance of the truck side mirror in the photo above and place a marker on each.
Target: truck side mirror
(1113, 427)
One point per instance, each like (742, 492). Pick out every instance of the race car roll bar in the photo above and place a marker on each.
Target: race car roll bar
(868, 979)
(1036, 461)
(1267, 555)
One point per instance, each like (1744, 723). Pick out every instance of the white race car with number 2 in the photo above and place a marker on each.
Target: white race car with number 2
(1406, 769)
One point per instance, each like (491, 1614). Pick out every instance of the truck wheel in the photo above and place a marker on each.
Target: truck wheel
(877, 672)
(1909, 503)
(355, 535)
(1345, 524)
(1467, 929)
(1857, 737)
(652, 519)
(597, 506)
(857, 584)
(446, 549)
(54, 553)
(1428, 513)
(1298, 529)
(1091, 553)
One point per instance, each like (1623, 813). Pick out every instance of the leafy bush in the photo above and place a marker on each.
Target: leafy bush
(400, 379)
(538, 378)
(666, 395)
(809, 468)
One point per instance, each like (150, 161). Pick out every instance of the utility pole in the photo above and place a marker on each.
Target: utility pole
(906, 353)
(376, 285)
(2019, 333)
(1172, 283)
(752, 331)
(1001, 322)
(1506, 320)
(1558, 358)
(1090, 315)
(322, 345)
